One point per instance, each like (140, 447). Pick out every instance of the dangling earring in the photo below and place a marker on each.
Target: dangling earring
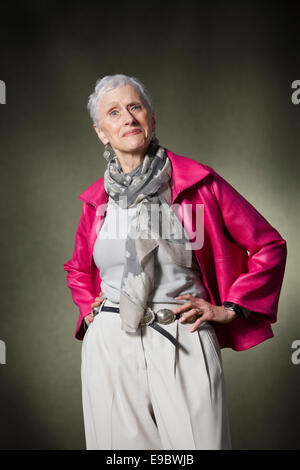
(107, 152)
(154, 140)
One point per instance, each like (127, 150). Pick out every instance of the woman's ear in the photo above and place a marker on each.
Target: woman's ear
(101, 135)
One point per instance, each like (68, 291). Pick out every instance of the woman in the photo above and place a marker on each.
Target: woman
(156, 309)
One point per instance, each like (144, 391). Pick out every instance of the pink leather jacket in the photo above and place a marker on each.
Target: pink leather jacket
(242, 258)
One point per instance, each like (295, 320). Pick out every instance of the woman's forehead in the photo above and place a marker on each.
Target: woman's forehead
(125, 93)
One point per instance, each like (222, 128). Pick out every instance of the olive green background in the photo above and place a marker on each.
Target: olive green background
(220, 77)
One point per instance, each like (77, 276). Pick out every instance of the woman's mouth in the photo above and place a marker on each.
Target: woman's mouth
(134, 131)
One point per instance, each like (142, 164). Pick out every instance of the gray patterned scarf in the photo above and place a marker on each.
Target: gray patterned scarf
(154, 224)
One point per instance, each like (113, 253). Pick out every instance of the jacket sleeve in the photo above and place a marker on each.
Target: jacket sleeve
(78, 268)
(259, 288)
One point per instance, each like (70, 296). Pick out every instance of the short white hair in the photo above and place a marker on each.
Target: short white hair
(110, 82)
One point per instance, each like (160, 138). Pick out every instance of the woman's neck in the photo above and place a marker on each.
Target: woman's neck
(129, 161)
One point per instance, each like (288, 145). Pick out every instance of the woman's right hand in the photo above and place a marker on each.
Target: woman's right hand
(90, 317)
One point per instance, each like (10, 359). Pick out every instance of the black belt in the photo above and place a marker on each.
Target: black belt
(154, 325)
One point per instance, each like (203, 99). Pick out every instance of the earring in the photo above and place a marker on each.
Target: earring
(107, 152)
(154, 140)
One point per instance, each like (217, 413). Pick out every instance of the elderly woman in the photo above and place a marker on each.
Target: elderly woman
(157, 306)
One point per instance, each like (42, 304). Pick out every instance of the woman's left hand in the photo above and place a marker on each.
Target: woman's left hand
(197, 307)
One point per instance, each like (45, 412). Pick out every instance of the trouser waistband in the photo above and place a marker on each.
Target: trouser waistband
(158, 313)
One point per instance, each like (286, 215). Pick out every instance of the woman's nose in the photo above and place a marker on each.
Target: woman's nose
(128, 117)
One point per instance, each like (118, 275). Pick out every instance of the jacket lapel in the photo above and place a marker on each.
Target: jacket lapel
(185, 173)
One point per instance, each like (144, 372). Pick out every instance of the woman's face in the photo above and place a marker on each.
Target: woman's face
(126, 121)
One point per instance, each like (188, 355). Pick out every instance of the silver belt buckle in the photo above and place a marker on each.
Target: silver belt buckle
(165, 316)
(148, 318)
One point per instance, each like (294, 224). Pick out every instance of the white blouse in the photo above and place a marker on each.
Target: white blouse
(171, 279)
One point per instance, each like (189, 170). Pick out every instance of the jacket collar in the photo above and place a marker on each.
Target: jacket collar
(185, 172)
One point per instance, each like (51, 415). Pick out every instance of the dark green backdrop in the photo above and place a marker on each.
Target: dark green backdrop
(220, 77)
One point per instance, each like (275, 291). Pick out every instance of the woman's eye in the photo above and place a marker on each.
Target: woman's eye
(136, 106)
(114, 112)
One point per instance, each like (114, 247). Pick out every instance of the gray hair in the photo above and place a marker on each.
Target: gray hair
(110, 82)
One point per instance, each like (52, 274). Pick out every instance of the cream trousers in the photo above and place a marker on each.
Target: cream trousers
(140, 392)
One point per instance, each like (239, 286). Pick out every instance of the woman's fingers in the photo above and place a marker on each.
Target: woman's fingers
(184, 296)
(98, 301)
(191, 315)
(205, 311)
(195, 317)
(89, 319)
(184, 307)
(197, 324)
(195, 310)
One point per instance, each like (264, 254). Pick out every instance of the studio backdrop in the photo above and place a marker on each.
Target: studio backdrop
(223, 80)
